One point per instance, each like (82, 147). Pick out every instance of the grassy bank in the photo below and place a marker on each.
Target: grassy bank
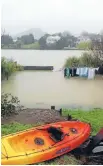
(94, 117)
(15, 127)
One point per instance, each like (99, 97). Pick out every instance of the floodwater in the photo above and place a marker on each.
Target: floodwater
(42, 89)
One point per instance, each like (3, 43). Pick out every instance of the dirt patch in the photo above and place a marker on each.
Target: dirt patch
(32, 116)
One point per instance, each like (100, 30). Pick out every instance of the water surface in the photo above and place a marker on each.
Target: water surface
(43, 89)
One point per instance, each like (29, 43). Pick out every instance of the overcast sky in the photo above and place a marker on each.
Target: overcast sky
(52, 15)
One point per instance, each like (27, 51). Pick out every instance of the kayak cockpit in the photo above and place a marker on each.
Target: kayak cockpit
(56, 134)
(36, 140)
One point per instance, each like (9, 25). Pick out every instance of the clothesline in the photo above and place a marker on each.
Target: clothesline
(81, 71)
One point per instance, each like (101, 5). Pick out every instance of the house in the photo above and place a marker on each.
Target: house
(52, 39)
(83, 39)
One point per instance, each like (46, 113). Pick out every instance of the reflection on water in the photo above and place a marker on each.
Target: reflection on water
(43, 89)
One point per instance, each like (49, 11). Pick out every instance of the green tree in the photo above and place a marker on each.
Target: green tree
(84, 45)
(97, 48)
(65, 41)
(27, 39)
(72, 62)
(6, 40)
(42, 41)
(8, 66)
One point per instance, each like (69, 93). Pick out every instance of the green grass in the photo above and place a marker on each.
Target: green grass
(94, 117)
(15, 127)
(31, 46)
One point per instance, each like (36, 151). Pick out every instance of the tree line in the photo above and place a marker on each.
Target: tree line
(28, 41)
(65, 40)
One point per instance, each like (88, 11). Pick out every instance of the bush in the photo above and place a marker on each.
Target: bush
(86, 59)
(19, 68)
(35, 46)
(72, 62)
(9, 104)
(8, 66)
(84, 45)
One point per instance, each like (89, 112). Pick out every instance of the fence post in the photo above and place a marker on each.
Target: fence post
(52, 107)
(60, 111)
(69, 117)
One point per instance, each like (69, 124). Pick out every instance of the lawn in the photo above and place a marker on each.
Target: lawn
(94, 117)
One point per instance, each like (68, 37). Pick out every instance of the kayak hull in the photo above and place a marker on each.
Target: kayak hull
(20, 148)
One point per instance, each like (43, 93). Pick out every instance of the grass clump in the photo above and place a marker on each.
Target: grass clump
(15, 127)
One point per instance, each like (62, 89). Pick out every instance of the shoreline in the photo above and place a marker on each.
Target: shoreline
(42, 49)
(33, 115)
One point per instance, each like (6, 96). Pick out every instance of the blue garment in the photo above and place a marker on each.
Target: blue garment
(84, 72)
(67, 72)
(79, 71)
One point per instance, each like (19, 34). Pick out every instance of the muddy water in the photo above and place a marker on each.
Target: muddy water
(40, 57)
(43, 89)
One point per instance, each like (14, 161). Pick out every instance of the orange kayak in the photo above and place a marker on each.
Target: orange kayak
(43, 143)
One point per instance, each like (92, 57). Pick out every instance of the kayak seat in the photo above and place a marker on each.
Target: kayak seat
(55, 134)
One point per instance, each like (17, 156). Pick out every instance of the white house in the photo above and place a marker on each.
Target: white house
(52, 39)
(83, 39)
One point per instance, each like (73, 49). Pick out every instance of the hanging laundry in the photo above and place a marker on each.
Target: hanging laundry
(84, 72)
(66, 72)
(96, 70)
(78, 71)
(70, 69)
(91, 73)
(100, 70)
(81, 72)
(74, 72)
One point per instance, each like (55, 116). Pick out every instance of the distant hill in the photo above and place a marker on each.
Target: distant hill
(38, 33)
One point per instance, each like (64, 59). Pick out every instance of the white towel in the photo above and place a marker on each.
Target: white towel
(78, 71)
(91, 73)
(81, 71)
